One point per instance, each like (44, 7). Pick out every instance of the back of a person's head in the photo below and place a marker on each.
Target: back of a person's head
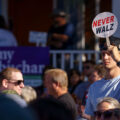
(28, 94)
(100, 70)
(48, 67)
(58, 75)
(2, 22)
(10, 110)
(50, 109)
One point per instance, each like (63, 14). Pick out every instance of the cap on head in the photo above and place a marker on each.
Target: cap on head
(113, 41)
(59, 14)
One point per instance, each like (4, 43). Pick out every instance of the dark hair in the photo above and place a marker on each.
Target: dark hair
(50, 109)
(100, 70)
(89, 62)
(74, 71)
(113, 41)
(2, 22)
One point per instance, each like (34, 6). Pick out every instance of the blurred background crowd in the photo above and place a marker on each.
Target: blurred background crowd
(63, 26)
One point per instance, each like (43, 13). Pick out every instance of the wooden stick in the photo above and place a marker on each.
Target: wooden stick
(107, 41)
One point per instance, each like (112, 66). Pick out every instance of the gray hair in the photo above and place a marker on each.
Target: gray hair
(58, 75)
(28, 94)
(112, 101)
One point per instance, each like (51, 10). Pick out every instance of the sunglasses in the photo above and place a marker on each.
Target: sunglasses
(107, 114)
(17, 82)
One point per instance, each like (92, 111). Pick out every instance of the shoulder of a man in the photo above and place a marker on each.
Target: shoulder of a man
(89, 109)
(97, 83)
(80, 90)
(15, 97)
(81, 86)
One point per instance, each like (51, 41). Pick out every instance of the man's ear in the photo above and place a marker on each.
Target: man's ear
(57, 84)
(5, 83)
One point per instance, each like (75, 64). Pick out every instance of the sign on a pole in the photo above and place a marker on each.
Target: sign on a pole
(104, 24)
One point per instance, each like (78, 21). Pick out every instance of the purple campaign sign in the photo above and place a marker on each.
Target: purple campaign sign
(30, 60)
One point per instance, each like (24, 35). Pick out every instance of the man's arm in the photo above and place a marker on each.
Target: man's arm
(61, 37)
(89, 108)
(65, 36)
(115, 52)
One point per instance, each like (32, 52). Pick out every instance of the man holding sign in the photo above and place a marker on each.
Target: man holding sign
(110, 84)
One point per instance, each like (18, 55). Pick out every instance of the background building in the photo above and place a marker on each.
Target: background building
(23, 16)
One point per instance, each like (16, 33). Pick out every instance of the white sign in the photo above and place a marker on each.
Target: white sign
(40, 38)
(104, 24)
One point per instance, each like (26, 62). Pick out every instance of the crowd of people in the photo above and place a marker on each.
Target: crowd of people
(93, 94)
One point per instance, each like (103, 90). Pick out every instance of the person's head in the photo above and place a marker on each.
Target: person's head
(75, 77)
(108, 61)
(11, 79)
(29, 94)
(88, 67)
(97, 74)
(107, 58)
(59, 18)
(104, 105)
(56, 80)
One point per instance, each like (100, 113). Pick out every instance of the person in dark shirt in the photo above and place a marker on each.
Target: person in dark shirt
(50, 109)
(56, 82)
(61, 33)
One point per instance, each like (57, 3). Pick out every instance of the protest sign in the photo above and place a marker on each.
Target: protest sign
(30, 60)
(104, 25)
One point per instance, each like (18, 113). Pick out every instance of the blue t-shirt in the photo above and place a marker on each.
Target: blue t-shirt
(80, 90)
(100, 89)
(67, 29)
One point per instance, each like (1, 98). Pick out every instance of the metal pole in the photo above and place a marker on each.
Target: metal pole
(96, 38)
